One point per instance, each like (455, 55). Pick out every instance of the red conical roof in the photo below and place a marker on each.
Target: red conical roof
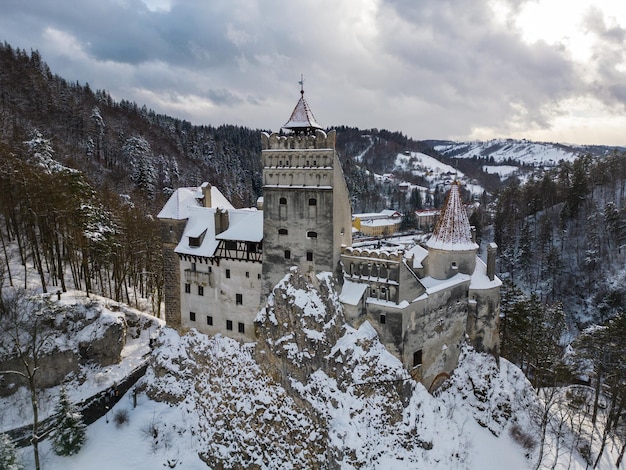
(452, 231)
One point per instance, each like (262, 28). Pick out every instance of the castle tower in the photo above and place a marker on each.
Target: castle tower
(306, 208)
(451, 248)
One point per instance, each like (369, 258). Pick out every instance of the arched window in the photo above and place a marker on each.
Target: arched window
(311, 234)
(282, 231)
(283, 200)
(312, 202)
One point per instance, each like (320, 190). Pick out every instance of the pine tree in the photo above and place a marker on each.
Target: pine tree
(8, 455)
(69, 435)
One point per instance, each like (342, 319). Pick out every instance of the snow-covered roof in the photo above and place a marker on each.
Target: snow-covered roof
(244, 225)
(200, 220)
(433, 285)
(452, 230)
(352, 292)
(480, 280)
(384, 214)
(379, 222)
(177, 206)
(302, 117)
(418, 254)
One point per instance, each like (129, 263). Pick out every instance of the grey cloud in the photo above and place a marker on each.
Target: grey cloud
(430, 68)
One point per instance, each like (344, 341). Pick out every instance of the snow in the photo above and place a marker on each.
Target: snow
(182, 200)
(503, 171)
(452, 231)
(418, 254)
(418, 161)
(200, 220)
(222, 406)
(537, 153)
(352, 292)
(302, 116)
(15, 410)
(433, 285)
(243, 225)
(480, 280)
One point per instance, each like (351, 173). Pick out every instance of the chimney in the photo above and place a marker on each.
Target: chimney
(492, 250)
(206, 192)
(221, 220)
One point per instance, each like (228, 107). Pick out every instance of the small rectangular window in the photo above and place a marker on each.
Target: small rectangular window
(247, 273)
(239, 299)
(309, 256)
(200, 290)
(229, 325)
(192, 316)
(383, 319)
(241, 328)
(209, 320)
(187, 288)
(258, 276)
(417, 358)
(287, 254)
(228, 274)
(193, 266)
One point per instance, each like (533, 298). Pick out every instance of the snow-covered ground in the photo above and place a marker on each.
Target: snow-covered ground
(529, 153)
(16, 411)
(208, 396)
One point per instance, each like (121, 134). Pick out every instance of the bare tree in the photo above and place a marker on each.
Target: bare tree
(25, 339)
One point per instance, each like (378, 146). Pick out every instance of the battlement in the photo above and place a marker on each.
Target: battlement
(372, 253)
(319, 140)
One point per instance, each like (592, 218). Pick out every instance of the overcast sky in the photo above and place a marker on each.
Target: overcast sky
(549, 70)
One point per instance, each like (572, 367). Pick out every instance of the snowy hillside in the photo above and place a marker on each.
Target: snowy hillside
(522, 151)
(313, 392)
(433, 171)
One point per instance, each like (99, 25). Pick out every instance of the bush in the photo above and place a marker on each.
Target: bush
(120, 418)
(523, 438)
(8, 456)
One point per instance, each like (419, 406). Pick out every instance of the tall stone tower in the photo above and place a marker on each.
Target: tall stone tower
(306, 208)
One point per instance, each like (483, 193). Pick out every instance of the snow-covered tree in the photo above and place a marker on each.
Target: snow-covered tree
(8, 455)
(69, 434)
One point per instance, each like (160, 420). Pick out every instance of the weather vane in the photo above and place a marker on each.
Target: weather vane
(301, 83)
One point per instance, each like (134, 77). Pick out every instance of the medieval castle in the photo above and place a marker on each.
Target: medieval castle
(221, 263)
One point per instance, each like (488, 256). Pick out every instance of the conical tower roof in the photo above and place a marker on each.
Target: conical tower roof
(452, 230)
(302, 118)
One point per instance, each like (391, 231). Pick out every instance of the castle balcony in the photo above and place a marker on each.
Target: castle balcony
(198, 277)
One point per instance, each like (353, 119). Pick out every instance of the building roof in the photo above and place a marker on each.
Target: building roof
(302, 118)
(201, 220)
(178, 205)
(452, 230)
(243, 225)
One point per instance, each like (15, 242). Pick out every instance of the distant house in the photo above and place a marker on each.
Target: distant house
(385, 222)
(425, 219)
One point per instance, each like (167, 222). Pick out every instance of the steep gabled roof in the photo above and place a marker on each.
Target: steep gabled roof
(452, 230)
(302, 118)
(177, 206)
